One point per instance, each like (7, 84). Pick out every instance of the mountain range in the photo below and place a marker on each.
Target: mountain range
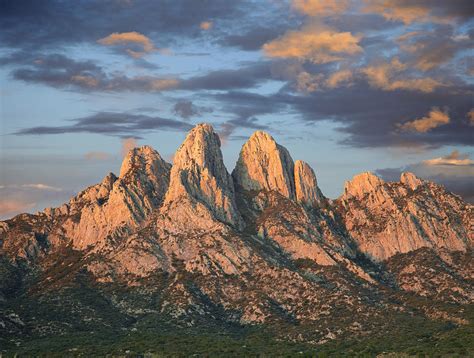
(190, 250)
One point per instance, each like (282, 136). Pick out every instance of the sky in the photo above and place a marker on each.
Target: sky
(347, 86)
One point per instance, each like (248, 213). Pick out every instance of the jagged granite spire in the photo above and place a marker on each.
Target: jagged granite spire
(199, 174)
(265, 165)
(306, 185)
(122, 202)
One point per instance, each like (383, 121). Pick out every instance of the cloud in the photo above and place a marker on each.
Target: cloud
(41, 187)
(127, 145)
(470, 116)
(81, 23)
(421, 10)
(314, 45)
(320, 7)
(206, 25)
(386, 76)
(246, 76)
(20, 198)
(364, 116)
(97, 156)
(9, 208)
(339, 77)
(186, 109)
(252, 39)
(57, 70)
(434, 119)
(111, 123)
(227, 129)
(431, 49)
(455, 158)
(129, 38)
(456, 176)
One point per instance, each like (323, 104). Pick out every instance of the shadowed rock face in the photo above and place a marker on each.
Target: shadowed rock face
(261, 246)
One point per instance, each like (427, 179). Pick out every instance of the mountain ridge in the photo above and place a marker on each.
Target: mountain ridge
(191, 244)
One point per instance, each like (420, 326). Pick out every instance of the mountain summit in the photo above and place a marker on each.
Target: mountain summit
(189, 245)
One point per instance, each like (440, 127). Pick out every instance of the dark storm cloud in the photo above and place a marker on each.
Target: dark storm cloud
(33, 25)
(110, 123)
(370, 117)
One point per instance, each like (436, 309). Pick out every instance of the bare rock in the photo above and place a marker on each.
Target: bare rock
(306, 185)
(265, 165)
(199, 178)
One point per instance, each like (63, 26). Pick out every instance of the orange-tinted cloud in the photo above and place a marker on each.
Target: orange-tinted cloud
(434, 119)
(402, 10)
(384, 76)
(306, 82)
(86, 81)
(127, 145)
(206, 25)
(129, 38)
(320, 7)
(455, 158)
(470, 116)
(12, 207)
(312, 44)
(339, 77)
(97, 156)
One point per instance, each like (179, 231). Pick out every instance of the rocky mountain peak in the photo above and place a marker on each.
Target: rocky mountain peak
(199, 174)
(362, 184)
(306, 185)
(263, 164)
(410, 180)
(142, 159)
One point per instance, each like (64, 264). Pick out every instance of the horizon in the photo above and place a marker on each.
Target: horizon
(346, 86)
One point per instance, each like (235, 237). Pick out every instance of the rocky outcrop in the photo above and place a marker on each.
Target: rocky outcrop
(390, 218)
(306, 185)
(199, 178)
(410, 180)
(361, 184)
(265, 165)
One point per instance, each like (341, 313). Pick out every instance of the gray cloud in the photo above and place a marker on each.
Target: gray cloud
(245, 77)
(253, 39)
(187, 109)
(60, 71)
(78, 22)
(123, 125)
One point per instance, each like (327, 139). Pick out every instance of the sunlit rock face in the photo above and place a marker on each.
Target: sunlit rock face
(306, 185)
(265, 165)
(118, 204)
(390, 218)
(260, 247)
(199, 178)
(278, 195)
